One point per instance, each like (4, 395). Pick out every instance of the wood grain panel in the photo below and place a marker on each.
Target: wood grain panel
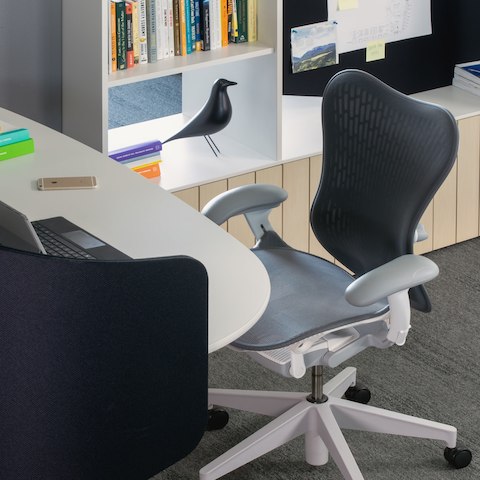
(296, 225)
(190, 196)
(468, 179)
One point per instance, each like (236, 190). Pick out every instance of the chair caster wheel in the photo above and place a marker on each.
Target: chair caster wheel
(358, 394)
(217, 419)
(458, 457)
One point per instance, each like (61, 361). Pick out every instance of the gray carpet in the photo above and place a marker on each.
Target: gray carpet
(435, 376)
(142, 101)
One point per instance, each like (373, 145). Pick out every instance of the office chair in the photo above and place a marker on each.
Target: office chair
(384, 157)
(103, 366)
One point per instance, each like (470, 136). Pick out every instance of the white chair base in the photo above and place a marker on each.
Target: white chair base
(319, 422)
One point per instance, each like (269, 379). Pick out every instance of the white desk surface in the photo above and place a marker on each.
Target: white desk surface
(140, 219)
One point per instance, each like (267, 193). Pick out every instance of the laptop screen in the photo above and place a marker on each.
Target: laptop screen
(17, 232)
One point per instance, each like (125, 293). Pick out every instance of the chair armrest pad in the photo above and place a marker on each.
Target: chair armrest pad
(399, 274)
(244, 199)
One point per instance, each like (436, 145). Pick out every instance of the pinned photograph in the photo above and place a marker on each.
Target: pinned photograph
(314, 46)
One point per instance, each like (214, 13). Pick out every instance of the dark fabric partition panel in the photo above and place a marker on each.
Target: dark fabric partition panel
(410, 66)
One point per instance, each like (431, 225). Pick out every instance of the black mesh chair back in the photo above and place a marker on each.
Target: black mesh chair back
(378, 144)
(103, 366)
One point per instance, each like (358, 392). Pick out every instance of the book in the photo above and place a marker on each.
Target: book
(224, 22)
(151, 15)
(183, 27)
(198, 33)
(113, 38)
(469, 70)
(135, 34)
(242, 21)
(176, 27)
(142, 31)
(192, 25)
(16, 149)
(14, 136)
(252, 20)
(205, 24)
(136, 152)
(215, 25)
(129, 34)
(230, 20)
(171, 34)
(467, 85)
(148, 170)
(188, 27)
(121, 29)
(160, 29)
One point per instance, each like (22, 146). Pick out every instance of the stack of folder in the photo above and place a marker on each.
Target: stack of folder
(143, 158)
(467, 77)
(15, 142)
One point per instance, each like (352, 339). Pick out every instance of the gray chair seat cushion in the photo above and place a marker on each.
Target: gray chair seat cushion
(308, 297)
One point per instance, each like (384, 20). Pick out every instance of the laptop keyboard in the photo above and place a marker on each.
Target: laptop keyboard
(55, 245)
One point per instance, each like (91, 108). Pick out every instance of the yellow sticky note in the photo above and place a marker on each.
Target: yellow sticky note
(375, 50)
(347, 4)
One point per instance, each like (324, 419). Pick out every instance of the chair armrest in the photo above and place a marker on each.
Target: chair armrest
(253, 201)
(392, 281)
(399, 274)
(420, 233)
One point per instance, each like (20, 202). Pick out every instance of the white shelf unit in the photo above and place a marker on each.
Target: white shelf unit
(256, 67)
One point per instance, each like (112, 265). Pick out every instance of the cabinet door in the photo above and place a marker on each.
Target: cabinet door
(445, 212)
(315, 246)
(468, 179)
(190, 196)
(296, 209)
(238, 226)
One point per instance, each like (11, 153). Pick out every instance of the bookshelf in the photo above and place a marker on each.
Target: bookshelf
(256, 67)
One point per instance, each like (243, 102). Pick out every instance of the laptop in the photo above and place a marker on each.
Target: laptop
(52, 236)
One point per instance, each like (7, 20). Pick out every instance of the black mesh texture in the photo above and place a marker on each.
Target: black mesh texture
(384, 157)
(103, 366)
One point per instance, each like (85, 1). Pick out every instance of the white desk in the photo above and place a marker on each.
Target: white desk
(140, 219)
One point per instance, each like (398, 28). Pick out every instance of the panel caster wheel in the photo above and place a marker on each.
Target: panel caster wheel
(458, 457)
(358, 394)
(217, 419)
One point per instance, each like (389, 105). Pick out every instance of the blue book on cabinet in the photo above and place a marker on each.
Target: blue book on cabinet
(14, 136)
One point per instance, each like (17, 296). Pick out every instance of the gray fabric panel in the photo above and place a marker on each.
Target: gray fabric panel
(308, 297)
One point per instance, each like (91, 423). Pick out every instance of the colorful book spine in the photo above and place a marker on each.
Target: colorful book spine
(192, 26)
(14, 136)
(137, 151)
(152, 31)
(113, 37)
(121, 29)
(160, 32)
(171, 34)
(252, 20)
(242, 20)
(177, 45)
(129, 34)
(205, 25)
(16, 149)
(224, 22)
(148, 170)
(188, 27)
(198, 33)
(230, 20)
(142, 31)
(183, 27)
(135, 34)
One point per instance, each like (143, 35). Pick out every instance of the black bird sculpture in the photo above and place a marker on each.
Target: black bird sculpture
(211, 118)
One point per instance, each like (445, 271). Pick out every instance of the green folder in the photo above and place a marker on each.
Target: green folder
(16, 149)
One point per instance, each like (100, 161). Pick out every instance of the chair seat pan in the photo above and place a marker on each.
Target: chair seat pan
(307, 297)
